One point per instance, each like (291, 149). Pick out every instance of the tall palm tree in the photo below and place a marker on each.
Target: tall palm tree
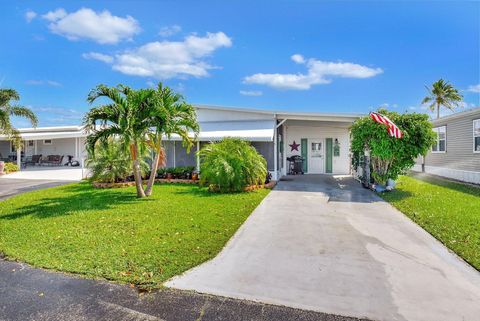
(7, 109)
(170, 115)
(126, 117)
(444, 94)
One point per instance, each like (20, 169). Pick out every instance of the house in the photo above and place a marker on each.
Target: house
(456, 152)
(323, 139)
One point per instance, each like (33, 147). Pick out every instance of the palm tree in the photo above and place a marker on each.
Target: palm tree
(7, 110)
(444, 94)
(170, 115)
(125, 118)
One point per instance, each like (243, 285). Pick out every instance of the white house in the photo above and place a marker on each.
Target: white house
(323, 139)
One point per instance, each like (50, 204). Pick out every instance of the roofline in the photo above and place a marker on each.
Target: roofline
(280, 112)
(50, 128)
(460, 114)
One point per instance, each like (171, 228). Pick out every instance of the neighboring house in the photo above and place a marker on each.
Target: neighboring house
(62, 140)
(323, 139)
(456, 153)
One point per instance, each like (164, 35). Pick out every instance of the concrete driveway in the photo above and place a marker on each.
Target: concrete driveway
(326, 244)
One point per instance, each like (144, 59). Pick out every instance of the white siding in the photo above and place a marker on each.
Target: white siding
(341, 164)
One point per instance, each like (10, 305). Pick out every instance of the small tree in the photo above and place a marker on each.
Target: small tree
(391, 156)
(231, 164)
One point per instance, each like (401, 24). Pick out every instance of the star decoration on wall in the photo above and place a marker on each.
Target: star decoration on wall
(294, 146)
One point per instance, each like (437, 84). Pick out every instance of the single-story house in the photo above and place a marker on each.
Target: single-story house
(323, 139)
(456, 152)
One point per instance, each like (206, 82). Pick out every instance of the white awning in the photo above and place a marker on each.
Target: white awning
(252, 130)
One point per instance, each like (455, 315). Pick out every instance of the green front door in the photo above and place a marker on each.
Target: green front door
(304, 152)
(328, 154)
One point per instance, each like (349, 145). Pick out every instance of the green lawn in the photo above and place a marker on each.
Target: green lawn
(449, 211)
(108, 233)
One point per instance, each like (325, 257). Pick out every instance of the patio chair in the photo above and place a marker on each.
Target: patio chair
(53, 160)
(33, 160)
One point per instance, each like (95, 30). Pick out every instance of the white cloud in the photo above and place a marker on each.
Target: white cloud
(37, 82)
(388, 105)
(98, 56)
(474, 88)
(54, 116)
(85, 23)
(318, 72)
(299, 59)
(251, 93)
(30, 15)
(171, 59)
(169, 30)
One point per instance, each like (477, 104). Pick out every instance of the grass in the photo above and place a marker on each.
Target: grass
(108, 233)
(448, 210)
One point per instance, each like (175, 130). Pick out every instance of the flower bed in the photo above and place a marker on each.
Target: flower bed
(158, 180)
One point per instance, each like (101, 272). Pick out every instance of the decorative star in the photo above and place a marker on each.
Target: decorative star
(294, 146)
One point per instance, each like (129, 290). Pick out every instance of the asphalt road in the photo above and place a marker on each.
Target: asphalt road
(11, 186)
(27, 293)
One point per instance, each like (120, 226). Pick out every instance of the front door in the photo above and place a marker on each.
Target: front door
(316, 159)
(328, 157)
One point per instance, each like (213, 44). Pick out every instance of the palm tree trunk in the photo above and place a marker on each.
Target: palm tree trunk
(153, 173)
(438, 110)
(136, 171)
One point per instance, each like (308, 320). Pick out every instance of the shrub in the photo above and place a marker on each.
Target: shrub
(230, 165)
(390, 156)
(111, 163)
(177, 172)
(10, 168)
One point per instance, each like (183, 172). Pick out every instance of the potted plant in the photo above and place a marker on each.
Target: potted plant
(169, 171)
(195, 176)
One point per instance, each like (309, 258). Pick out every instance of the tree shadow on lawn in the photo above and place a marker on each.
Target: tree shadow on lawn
(76, 197)
(457, 186)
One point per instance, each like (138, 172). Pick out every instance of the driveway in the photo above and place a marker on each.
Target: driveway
(326, 244)
(11, 186)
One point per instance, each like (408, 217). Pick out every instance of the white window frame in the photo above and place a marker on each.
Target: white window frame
(438, 151)
(474, 136)
(45, 142)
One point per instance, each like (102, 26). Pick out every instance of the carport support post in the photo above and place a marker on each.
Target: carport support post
(19, 157)
(366, 169)
(198, 157)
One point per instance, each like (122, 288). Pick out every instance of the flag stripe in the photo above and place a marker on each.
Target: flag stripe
(393, 130)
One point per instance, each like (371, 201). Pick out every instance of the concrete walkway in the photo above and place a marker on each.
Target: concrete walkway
(326, 244)
(61, 173)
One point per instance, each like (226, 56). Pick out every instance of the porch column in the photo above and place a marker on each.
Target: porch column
(198, 157)
(35, 147)
(19, 157)
(284, 138)
(275, 153)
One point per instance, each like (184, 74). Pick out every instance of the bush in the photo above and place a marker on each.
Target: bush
(184, 172)
(111, 163)
(390, 156)
(10, 168)
(230, 165)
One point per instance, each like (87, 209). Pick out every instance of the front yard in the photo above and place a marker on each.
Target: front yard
(448, 210)
(108, 233)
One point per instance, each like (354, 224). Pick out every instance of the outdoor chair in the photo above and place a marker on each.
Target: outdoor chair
(33, 160)
(53, 160)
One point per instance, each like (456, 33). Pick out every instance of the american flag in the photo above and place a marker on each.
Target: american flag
(393, 130)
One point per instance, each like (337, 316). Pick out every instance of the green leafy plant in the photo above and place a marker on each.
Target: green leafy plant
(7, 110)
(444, 94)
(230, 165)
(10, 168)
(390, 156)
(111, 163)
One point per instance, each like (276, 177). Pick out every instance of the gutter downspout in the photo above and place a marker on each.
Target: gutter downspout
(275, 150)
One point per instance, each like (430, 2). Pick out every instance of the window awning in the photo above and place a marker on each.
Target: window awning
(252, 130)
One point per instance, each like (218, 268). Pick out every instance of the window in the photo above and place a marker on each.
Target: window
(30, 143)
(440, 146)
(476, 136)
(47, 142)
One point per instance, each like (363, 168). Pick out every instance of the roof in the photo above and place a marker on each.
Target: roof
(281, 114)
(252, 130)
(464, 113)
(51, 132)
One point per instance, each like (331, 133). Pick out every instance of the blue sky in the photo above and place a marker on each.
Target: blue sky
(282, 55)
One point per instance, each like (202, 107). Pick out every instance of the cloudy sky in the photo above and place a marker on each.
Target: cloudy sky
(287, 55)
